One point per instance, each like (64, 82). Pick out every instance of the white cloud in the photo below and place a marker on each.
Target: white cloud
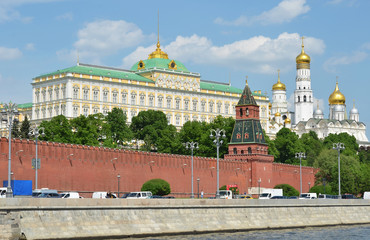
(257, 54)
(9, 53)
(332, 63)
(66, 16)
(8, 10)
(285, 11)
(30, 46)
(103, 38)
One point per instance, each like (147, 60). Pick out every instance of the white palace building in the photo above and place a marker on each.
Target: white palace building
(164, 84)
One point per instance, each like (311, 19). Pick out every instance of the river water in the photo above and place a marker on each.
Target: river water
(353, 232)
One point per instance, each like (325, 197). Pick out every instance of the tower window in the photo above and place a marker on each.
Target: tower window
(241, 112)
(299, 98)
(235, 151)
(249, 150)
(304, 98)
(247, 112)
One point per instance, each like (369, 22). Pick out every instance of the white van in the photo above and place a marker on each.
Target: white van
(308, 196)
(139, 195)
(70, 195)
(38, 192)
(226, 194)
(366, 195)
(3, 192)
(103, 195)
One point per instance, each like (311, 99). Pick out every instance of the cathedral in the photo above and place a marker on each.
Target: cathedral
(305, 118)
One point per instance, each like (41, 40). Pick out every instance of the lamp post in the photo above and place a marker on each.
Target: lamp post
(118, 178)
(9, 111)
(323, 183)
(36, 132)
(218, 143)
(259, 187)
(300, 155)
(338, 146)
(192, 145)
(198, 180)
(309, 186)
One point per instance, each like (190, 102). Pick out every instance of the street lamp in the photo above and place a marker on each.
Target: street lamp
(259, 187)
(300, 155)
(118, 178)
(198, 180)
(338, 146)
(218, 143)
(36, 132)
(309, 186)
(192, 145)
(323, 183)
(9, 111)
(68, 157)
(12, 175)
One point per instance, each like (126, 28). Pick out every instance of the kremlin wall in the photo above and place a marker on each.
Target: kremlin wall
(92, 169)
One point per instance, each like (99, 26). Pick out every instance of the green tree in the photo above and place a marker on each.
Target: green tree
(312, 146)
(15, 129)
(288, 190)
(327, 162)
(58, 129)
(320, 189)
(157, 187)
(287, 145)
(271, 146)
(169, 142)
(25, 128)
(351, 146)
(118, 128)
(191, 131)
(85, 131)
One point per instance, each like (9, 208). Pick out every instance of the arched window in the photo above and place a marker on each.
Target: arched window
(299, 98)
(242, 151)
(304, 98)
(241, 112)
(247, 112)
(235, 151)
(249, 150)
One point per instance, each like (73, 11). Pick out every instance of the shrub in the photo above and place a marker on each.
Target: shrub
(320, 189)
(287, 190)
(157, 187)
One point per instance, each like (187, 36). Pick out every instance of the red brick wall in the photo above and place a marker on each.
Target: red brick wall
(95, 169)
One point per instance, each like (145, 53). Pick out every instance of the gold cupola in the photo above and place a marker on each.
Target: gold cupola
(337, 97)
(303, 60)
(279, 85)
(158, 53)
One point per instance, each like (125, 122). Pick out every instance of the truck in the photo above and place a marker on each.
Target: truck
(230, 192)
(20, 188)
(268, 193)
(308, 196)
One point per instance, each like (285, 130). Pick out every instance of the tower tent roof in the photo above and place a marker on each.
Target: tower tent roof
(247, 98)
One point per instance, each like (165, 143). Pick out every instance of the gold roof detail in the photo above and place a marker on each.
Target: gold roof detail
(172, 65)
(158, 53)
(287, 120)
(303, 60)
(337, 97)
(279, 85)
(277, 114)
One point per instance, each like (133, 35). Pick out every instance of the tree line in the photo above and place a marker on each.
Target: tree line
(151, 129)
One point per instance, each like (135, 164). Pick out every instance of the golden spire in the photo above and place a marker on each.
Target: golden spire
(246, 80)
(337, 97)
(158, 53)
(303, 60)
(279, 85)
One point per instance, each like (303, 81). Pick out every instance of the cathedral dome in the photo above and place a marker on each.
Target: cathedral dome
(158, 53)
(303, 60)
(318, 112)
(277, 114)
(287, 120)
(337, 97)
(353, 111)
(279, 85)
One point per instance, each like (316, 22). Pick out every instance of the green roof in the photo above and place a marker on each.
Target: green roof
(160, 63)
(213, 86)
(100, 71)
(25, 105)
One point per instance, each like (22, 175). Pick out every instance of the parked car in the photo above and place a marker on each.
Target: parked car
(348, 196)
(328, 196)
(308, 196)
(293, 197)
(124, 195)
(247, 196)
(38, 192)
(139, 195)
(103, 195)
(70, 195)
(279, 197)
(366, 195)
(49, 195)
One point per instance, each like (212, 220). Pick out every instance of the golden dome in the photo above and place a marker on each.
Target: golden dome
(277, 114)
(279, 85)
(337, 97)
(158, 53)
(303, 60)
(287, 120)
(270, 105)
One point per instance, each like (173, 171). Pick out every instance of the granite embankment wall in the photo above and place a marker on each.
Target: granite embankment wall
(115, 218)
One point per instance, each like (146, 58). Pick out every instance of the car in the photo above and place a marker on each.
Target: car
(293, 197)
(279, 197)
(327, 196)
(37, 192)
(70, 195)
(124, 195)
(103, 195)
(49, 195)
(245, 197)
(348, 196)
(139, 195)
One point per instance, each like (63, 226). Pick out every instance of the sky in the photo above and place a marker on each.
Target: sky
(222, 40)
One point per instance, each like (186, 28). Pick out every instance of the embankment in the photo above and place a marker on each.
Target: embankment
(115, 218)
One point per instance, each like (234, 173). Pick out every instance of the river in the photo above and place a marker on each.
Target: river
(353, 232)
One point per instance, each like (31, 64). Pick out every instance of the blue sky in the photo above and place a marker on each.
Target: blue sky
(221, 40)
